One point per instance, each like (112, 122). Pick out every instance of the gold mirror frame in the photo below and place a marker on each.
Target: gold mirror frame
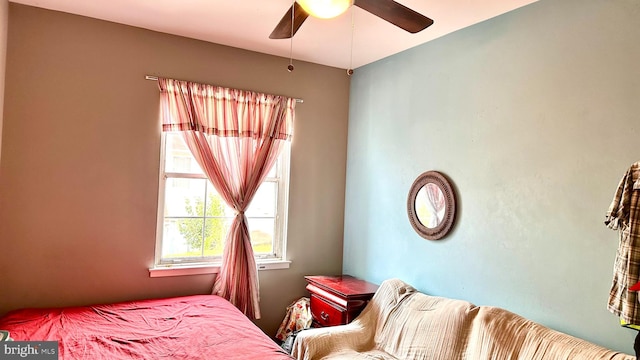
(445, 224)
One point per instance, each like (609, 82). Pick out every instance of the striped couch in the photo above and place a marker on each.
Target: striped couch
(402, 323)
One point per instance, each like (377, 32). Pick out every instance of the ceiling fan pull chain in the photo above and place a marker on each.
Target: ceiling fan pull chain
(290, 67)
(353, 29)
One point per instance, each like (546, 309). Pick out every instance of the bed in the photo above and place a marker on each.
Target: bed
(190, 327)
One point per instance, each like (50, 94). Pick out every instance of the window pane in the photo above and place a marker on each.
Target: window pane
(215, 235)
(182, 237)
(184, 197)
(261, 231)
(272, 172)
(178, 157)
(264, 201)
(216, 207)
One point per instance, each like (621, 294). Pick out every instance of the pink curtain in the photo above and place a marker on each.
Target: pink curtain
(236, 136)
(436, 200)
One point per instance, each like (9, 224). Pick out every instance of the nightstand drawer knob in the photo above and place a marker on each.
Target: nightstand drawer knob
(324, 316)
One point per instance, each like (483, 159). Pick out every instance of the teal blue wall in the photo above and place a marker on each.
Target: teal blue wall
(534, 116)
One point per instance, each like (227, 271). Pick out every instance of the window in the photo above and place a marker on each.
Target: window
(193, 220)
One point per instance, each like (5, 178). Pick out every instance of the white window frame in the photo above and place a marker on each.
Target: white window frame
(188, 266)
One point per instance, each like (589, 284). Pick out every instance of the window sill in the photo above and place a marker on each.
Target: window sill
(184, 270)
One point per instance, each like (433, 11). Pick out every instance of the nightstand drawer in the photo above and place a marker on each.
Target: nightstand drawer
(325, 313)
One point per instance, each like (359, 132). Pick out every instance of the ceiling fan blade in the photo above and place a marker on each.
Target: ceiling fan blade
(396, 13)
(283, 30)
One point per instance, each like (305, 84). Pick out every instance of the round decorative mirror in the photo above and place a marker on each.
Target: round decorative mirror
(431, 205)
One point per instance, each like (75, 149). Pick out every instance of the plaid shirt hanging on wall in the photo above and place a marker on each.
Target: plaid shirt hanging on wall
(624, 216)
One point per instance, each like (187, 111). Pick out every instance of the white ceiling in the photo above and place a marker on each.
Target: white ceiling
(247, 24)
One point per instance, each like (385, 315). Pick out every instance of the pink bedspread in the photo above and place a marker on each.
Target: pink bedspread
(191, 327)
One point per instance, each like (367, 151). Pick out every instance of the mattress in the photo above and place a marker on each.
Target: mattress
(191, 327)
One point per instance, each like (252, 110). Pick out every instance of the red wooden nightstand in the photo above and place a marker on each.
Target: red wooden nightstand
(336, 300)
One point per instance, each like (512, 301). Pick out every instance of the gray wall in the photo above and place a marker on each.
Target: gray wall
(534, 117)
(80, 159)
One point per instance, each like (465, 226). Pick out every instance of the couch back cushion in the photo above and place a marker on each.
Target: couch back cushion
(387, 298)
(426, 327)
(499, 334)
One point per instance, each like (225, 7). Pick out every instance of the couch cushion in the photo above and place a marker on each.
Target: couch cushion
(426, 327)
(349, 354)
(499, 334)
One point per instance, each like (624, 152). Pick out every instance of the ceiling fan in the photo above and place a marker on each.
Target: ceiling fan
(389, 10)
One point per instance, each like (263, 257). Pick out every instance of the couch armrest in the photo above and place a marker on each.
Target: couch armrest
(359, 335)
(319, 342)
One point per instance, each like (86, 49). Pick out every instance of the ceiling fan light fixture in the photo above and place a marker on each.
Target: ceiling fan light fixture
(325, 9)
